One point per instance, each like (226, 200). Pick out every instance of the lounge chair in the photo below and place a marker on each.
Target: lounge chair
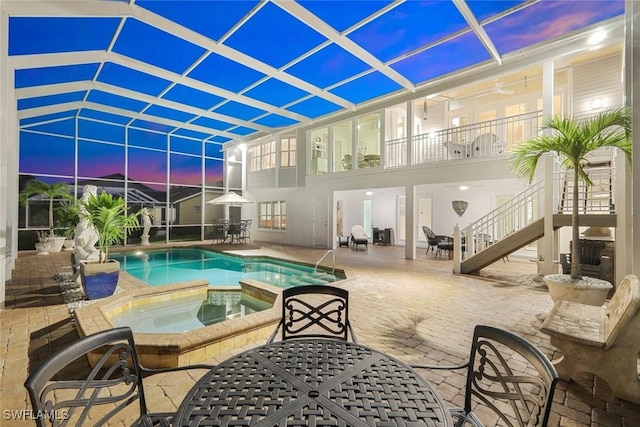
(358, 237)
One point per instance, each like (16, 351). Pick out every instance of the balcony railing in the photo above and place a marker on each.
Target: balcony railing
(484, 139)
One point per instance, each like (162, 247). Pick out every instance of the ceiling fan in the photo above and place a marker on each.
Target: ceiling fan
(497, 90)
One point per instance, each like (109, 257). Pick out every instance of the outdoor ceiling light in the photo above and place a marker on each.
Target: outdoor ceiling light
(464, 187)
(597, 37)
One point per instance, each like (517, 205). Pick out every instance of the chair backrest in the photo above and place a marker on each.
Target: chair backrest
(315, 311)
(68, 392)
(624, 305)
(432, 238)
(590, 251)
(357, 230)
(500, 378)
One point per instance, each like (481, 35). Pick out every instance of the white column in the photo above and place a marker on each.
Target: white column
(9, 136)
(631, 249)
(547, 242)
(410, 132)
(410, 222)
(410, 191)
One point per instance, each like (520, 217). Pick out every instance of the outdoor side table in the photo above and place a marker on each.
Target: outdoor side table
(343, 240)
(310, 382)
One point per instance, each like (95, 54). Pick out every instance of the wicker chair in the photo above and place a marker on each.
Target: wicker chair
(499, 377)
(314, 311)
(61, 390)
(432, 239)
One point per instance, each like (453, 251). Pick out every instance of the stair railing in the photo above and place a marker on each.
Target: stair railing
(525, 208)
(506, 219)
(333, 261)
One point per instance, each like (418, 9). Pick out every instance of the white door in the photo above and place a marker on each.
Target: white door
(320, 223)
(424, 216)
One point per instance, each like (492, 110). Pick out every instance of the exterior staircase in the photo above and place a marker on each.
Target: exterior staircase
(527, 235)
(521, 220)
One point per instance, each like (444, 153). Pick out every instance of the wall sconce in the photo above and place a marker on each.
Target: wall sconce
(459, 206)
(596, 104)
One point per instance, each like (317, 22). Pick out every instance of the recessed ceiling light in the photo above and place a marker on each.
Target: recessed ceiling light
(369, 193)
(597, 37)
(464, 187)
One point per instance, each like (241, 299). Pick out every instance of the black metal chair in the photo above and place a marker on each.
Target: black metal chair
(245, 231)
(66, 391)
(500, 377)
(314, 311)
(234, 233)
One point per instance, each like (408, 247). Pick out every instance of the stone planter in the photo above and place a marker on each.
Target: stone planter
(43, 248)
(588, 290)
(99, 280)
(56, 243)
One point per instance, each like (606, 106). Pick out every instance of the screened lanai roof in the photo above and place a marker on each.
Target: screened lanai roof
(237, 70)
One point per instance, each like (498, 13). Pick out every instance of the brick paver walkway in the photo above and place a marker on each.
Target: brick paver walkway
(414, 310)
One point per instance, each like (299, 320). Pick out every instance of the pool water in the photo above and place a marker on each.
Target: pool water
(170, 266)
(188, 313)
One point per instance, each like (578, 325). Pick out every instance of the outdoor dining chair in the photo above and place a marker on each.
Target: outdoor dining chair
(314, 311)
(65, 390)
(500, 377)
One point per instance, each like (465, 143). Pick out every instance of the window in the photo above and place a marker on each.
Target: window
(262, 156)
(288, 152)
(254, 158)
(273, 215)
(369, 141)
(343, 146)
(319, 141)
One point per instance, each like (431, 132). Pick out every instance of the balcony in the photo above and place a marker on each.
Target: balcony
(485, 139)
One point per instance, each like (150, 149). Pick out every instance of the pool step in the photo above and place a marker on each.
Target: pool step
(317, 279)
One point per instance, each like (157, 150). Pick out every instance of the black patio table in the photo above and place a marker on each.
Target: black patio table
(312, 382)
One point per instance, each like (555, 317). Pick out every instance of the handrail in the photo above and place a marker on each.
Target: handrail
(525, 207)
(506, 219)
(333, 260)
(460, 142)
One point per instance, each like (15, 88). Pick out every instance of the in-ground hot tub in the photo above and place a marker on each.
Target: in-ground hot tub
(180, 345)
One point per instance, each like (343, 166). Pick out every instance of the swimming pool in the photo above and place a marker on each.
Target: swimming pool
(189, 312)
(163, 267)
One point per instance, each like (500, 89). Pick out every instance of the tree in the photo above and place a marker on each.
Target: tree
(59, 190)
(572, 140)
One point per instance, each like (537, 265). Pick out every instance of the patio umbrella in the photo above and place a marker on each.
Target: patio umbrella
(229, 199)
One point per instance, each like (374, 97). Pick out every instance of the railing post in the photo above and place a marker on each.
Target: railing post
(457, 249)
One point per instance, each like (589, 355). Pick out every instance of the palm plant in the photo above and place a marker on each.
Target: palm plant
(59, 190)
(68, 217)
(572, 141)
(109, 217)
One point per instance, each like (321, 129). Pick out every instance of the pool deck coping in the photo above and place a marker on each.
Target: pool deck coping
(160, 350)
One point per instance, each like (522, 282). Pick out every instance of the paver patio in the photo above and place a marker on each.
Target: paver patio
(416, 310)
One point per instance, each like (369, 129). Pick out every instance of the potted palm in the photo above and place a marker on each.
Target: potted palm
(43, 245)
(572, 141)
(68, 217)
(109, 217)
(59, 190)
